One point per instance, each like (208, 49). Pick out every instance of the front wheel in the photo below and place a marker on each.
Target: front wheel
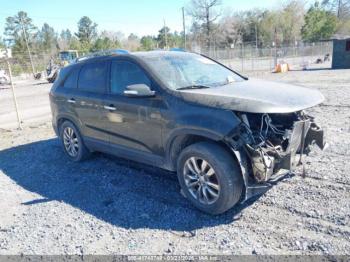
(209, 177)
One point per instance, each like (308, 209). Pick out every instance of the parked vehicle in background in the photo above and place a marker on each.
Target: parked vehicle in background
(225, 135)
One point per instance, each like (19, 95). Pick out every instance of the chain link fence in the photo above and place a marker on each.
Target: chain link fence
(247, 58)
(243, 58)
(21, 65)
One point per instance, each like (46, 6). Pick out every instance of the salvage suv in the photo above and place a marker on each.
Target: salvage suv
(225, 135)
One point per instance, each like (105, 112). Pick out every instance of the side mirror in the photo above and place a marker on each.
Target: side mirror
(139, 90)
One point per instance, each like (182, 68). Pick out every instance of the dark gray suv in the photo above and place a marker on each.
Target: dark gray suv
(225, 135)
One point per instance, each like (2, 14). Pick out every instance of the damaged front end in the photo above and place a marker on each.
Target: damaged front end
(270, 146)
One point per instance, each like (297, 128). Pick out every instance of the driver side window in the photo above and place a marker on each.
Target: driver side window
(125, 73)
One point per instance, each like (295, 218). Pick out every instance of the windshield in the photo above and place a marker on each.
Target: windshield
(186, 70)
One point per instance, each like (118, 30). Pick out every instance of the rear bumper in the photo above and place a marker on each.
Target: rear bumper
(54, 126)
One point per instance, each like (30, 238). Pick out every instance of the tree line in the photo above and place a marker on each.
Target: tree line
(210, 27)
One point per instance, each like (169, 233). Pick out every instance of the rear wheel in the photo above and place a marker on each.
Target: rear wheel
(72, 142)
(209, 177)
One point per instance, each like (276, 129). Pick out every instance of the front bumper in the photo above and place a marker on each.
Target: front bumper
(260, 175)
(304, 136)
(268, 161)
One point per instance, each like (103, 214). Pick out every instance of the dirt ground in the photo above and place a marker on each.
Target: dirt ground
(109, 206)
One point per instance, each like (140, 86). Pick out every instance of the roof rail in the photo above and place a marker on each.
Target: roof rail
(104, 53)
(178, 49)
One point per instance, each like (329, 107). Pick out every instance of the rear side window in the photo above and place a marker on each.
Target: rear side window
(72, 79)
(347, 46)
(124, 74)
(92, 77)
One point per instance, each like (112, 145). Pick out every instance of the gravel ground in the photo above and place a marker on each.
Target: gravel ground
(110, 206)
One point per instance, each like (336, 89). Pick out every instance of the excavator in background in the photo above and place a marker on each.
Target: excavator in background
(64, 58)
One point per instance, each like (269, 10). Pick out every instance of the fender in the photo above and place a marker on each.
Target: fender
(190, 131)
(183, 132)
(243, 165)
(71, 118)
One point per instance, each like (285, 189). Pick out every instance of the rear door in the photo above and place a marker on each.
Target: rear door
(134, 123)
(88, 100)
(65, 88)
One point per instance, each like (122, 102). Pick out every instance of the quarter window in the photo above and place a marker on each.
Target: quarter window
(347, 46)
(72, 79)
(92, 77)
(124, 74)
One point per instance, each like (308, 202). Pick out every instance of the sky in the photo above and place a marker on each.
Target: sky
(142, 17)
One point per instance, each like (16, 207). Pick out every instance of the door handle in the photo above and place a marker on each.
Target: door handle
(72, 101)
(110, 108)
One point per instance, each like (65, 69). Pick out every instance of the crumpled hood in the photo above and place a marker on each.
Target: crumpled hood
(256, 96)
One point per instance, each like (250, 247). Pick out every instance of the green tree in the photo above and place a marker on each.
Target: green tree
(65, 39)
(319, 24)
(48, 37)
(292, 21)
(2, 44)
(148, 43)
(176, 39)
(341, 8)
(133, 37)
(205, 13)
(105, 43)
(66, 35)
(18, 27)
(87, 31)
(163, 37)
(75, 44)
(132, 43)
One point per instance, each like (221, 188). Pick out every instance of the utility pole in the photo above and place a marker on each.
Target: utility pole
(184, 26)
(339, 7)
(275, 58)
(13, 90)
(256, 37)
(165, 36)
(27, 44)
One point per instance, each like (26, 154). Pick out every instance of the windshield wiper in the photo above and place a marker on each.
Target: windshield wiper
(193, 87)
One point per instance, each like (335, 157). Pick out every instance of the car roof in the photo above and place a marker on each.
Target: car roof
(162, 53)
(142, 54)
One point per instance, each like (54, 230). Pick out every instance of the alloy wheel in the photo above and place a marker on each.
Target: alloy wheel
(71, 142)
(201, 180)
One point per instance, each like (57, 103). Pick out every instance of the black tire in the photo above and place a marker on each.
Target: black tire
(82, 152)
(52, 79)
(227, 172)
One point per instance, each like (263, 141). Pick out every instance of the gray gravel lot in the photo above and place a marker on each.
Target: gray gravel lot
(110, 206)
